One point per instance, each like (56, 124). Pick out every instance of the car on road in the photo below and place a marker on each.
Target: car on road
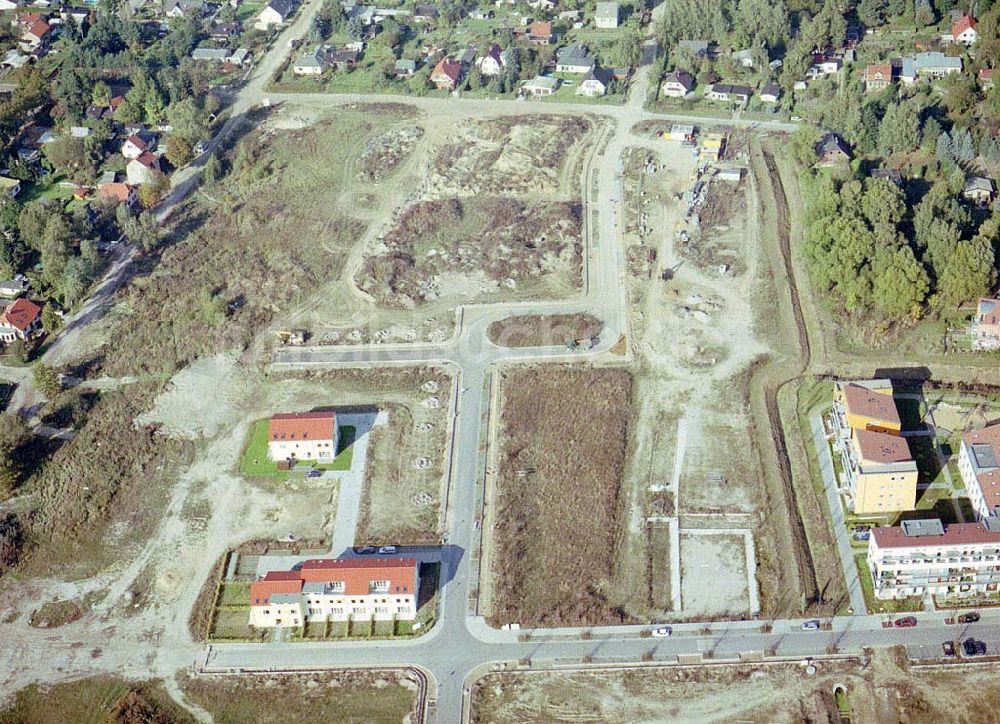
(365, 550)
(972, 647)
(387, 549)
(970, 617)
(662, 632)
(948, 647)
(905, 622)
(314, 474)
(812, 625)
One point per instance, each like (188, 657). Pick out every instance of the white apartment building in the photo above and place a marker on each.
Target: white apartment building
(922, 557)
(302, 436)
(336, 589)
(979, 463)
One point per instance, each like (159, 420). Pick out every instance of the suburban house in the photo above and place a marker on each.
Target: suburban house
(986, 325)
(892, 175)
(14, 288)
(831, 150)
(342, 59)
(680, 132)
(540, 85)
(930, 65)
(492, 63)
(979, 190)
(425, 13)
(276, 12)
(979, 463)
(928, 557)
(964, 31)
(606, 16)
(678, 84)
(595, 83)
(143, 169)
(336, 589)
(743, 58)
(309, 63)
(22, 319)
(823, 66)
(180, 8)
(770, 93)
(541, 32)
(878, 76)
(880, 474)
(123, 193)
(729, 93)
(985, 78)
(446, 74)
(302, 436)
(35, 35)
(136, 145)
(697, 48)
(574, 59)
(214, 55)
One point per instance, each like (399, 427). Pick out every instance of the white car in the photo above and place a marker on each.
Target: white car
(662, 632)
(387, 549)
(811, 625)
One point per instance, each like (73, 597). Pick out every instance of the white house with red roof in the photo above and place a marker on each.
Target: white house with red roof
(928, 557)
(447, 74)
(492, 64)
(336, 589)
(21, 320)
(302, 436)
(979, 463)
(142, 169)
(35, 35)
(134, 146)
(964, 31)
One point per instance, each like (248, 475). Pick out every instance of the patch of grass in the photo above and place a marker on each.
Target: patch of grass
(353, 697)
(232, 623)
(97, 700)
(235, 593)
(255, 462)
(60, 613)
(875, 605)
(564, 436)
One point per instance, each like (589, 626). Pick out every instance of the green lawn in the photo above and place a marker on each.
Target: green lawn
(235, 593)
(875, 605)
(255, 462)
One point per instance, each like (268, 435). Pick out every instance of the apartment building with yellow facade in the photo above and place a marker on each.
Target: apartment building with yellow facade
(880, 474)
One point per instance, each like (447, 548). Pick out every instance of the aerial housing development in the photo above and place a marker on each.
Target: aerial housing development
(480, 361)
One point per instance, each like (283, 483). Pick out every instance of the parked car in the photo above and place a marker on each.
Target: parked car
(387, 549)
(972, 647)
(970, 617)
(662, 632)
(364, 550)
(905, 622)
(812, 625)
(314, 474)
(949, 649)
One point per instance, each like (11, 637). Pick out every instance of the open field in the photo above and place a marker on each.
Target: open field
(349, 697)
(98, 700)
(538, 330)
(880, 689)
(559, 516)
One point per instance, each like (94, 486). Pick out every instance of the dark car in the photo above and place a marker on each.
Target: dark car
(949, 649)
(314, 474)
(364, 550)
(971, 647)
(970, 617)
(905, 622)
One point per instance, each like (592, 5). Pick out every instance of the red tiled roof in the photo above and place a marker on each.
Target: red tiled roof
(876, 405)
(878, 71)
(274, 582)
(28, 18)
(302, 426)
(954, 534)
(986, 73)
(39, 29)
(119, 191)
(137, 142)
(962, 24)
(540, 29)
(879, 447)
(21, 315)
(448, 67)
(358, 573)
(148, 159)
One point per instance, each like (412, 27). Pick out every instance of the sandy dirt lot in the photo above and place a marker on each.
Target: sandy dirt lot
(712, 567)
(880, 689)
